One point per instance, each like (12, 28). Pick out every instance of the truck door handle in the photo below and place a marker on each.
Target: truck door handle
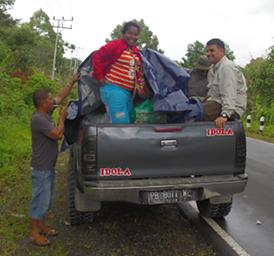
(169, 143)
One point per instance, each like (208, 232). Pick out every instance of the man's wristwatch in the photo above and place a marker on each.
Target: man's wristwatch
(224, 115)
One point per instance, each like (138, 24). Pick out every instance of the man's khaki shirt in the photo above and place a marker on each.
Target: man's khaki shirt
(227, 86)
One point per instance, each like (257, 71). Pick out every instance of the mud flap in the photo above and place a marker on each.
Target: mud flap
(83, 203)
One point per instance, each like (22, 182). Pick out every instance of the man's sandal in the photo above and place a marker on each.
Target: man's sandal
(49, 215)
(48, 231)
(39, 240)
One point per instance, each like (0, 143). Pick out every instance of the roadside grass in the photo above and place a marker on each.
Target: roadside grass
(259, 136)
(15, 193)
(15, 185)
(254, 132)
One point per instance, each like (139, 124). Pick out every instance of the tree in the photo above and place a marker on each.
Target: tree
(194, 52)
(6, 4)
(252, 73)
(29, 47)
(6, 22)
(5, 56)
(22, 42)
(146, 40)
(196, 49)
(229, 53)
(5, 18)
(260, 78)
(40, 23)
(270, 56)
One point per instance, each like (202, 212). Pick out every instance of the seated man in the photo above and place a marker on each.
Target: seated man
(197, 83)
(226, 99)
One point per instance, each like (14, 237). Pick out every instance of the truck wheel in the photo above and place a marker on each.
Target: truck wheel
(210, 210)
(73, 215)
(87, 217)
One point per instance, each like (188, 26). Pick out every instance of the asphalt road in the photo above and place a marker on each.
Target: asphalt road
(251, 222)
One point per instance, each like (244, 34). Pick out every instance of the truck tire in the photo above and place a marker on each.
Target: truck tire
(210, 210)
(75, 217)
(87, 217)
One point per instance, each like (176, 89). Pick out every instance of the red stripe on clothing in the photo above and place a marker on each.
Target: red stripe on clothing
(123, 70)
(120, 80)
(121, 66)
(119, 71)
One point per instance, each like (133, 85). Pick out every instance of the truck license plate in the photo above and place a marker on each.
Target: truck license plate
(169, 196)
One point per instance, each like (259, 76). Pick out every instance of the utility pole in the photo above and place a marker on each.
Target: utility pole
(70, 66)
(60, 25)
(75, 59)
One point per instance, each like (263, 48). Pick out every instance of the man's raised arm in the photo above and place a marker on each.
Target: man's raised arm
(67, 89)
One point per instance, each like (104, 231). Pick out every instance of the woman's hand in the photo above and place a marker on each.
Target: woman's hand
(63, 113)
(102, 82)
(75, 78)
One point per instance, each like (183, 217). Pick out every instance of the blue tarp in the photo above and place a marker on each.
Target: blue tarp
(169, 84)
(166, 79)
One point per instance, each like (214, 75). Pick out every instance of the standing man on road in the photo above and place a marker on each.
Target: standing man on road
(227, 87)
(45, 136)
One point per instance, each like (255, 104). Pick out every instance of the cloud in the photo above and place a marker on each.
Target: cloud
(266, 6)
(246, 25)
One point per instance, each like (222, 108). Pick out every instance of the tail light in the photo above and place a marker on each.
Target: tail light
(240, 153)
(89, 156)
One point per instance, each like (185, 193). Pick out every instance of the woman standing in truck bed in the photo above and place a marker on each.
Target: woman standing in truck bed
(117, 67)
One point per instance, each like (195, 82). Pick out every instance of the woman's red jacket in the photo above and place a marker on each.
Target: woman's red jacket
(103, 58)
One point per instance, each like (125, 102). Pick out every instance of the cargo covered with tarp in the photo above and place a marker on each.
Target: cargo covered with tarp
(167, 83)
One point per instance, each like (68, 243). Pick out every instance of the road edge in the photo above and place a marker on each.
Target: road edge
(214, 234)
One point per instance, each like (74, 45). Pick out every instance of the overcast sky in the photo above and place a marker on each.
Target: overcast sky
(247, 26)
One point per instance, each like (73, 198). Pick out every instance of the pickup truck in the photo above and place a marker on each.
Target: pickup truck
(153, 164)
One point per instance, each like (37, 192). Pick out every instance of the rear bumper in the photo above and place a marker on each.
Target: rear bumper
(131, 190)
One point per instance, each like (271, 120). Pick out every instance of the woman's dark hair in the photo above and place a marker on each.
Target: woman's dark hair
(216, 41)
(129, 24)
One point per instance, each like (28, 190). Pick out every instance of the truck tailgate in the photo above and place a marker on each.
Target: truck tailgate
(167, 150)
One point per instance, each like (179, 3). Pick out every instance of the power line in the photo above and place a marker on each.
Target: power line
(75, 59)
(48, 5)
(59, 6)
(70, 6)
(59, 25)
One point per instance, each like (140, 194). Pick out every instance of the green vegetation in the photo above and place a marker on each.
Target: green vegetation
(26, 52)
(254, 131)
(260, 77)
